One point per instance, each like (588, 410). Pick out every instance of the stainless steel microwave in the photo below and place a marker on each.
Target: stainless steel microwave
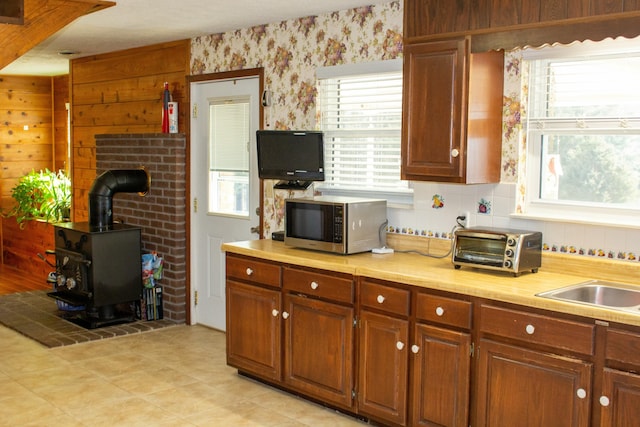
(343, 225)
(497, 249)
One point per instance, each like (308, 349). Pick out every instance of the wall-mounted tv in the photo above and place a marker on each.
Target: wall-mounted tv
(296, 158)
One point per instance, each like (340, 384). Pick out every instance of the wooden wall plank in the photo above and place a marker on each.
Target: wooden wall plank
(26, 130)
(120, 92)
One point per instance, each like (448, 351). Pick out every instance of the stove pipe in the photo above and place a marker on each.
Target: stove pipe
(109, 183)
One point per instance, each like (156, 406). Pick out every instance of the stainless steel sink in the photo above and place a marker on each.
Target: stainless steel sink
(598, 293)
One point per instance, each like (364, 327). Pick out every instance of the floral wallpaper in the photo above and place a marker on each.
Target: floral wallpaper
(290, 51)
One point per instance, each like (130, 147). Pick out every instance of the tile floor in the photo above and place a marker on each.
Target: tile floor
(168, 377)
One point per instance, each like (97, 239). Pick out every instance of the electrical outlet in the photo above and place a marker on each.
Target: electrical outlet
(467, 218)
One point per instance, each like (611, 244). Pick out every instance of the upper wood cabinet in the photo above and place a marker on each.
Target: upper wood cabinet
(452, 113)
(507, 24)
(431, 17)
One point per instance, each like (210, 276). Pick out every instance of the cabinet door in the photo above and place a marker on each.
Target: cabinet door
(525, 388)
(432, 112)
(253, 330)
(318, 349)
(383, 362)
(441, 377)
(620, 399)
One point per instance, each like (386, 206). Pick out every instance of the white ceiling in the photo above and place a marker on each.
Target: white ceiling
(135, 23)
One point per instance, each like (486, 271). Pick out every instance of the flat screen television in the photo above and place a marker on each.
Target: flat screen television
(295, 158)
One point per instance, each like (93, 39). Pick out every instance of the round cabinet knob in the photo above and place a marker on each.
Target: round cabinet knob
(380, 299)
(439, 311)
(314, 285)
(415, 349)
(604, 400)
(249, 271)
(530, 329)
(455, 152)
(274, 312)
(399, 345)
(581, 393)
(285, 315)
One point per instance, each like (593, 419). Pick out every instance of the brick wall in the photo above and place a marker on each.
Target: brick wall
(161, 213)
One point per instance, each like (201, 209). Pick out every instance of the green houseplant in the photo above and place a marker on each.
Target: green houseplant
(43, 195)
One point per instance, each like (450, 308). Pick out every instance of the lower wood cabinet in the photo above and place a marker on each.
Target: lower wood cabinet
(441, 377)
(524, 388)
(620, 399)
(253, 330)
(318, 349)
(409, 356)
(383, 367)
(394, 340)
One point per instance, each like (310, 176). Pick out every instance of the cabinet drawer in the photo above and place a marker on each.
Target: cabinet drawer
(385, 298)
(447, 311)
(623, 346)
(318, 284)
(252, 270)
(537, 329)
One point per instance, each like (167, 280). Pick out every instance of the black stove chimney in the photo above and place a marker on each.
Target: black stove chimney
(109, 183)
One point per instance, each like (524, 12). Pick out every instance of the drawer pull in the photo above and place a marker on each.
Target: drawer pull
(399, 345)
(274, 312)
(249, 271)
(581, 393)
(439, 311)
(604, 400)
(380, 299)
(415, 349)
(530, 329)
(285, 315)
(314, 285)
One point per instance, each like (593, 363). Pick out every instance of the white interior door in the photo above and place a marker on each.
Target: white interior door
(224, 185)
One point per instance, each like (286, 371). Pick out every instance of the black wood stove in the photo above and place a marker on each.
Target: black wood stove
(98, 263)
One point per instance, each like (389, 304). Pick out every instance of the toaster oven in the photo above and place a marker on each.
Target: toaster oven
(499, 249)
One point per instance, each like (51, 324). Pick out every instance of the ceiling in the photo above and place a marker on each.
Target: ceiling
(135, 23)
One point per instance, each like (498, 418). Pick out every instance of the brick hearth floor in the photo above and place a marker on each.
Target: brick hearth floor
(167, 377)
(36, 315)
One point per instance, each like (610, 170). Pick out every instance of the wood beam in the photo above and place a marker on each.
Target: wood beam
(42, 18)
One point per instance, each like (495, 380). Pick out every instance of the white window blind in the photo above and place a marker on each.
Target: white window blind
(361, 117)
(229, 135)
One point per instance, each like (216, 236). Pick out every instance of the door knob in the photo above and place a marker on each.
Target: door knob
(256, 229)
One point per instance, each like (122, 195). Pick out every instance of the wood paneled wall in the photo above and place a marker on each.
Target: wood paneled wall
(26, 134)
(61, 123)
(120, 93)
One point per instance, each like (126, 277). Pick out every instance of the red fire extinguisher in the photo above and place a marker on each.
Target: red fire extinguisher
(166, 98)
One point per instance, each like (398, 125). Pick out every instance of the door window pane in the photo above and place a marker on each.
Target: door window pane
(229, 137)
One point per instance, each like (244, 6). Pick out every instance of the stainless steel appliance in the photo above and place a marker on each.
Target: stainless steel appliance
(343, 225)
(499, 249)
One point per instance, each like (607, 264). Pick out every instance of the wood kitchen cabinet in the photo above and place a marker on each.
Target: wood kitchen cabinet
(452, 113)
(619, 399)
(533, 370)
(253, 303)
(424, 18)
(318, 340)
(441, 351)
(383, 362)
(393, 340)
(292, 326)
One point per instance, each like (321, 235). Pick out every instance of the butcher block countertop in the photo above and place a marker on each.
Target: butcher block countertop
(558, 270)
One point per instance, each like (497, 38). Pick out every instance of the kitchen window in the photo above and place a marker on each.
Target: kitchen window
(360, 110)
(583, 133)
